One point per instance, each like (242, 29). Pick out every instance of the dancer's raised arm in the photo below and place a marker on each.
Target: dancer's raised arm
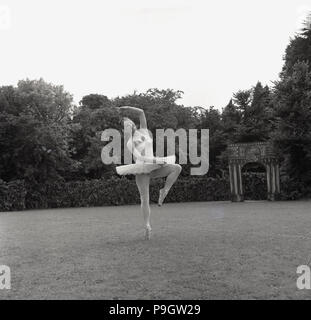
(140, 112)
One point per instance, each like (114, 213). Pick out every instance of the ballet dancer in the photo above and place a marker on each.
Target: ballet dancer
(146, 165)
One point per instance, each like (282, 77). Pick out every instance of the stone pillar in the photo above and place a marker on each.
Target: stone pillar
(231, 179)
(240, 182)
(273, 187)
(269, 188)
(273, 180)
(277, 177)
(236, 185)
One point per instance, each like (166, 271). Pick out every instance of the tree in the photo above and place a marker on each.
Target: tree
(242, 100)
(10, 101)
(256, 119)
(35, 135)
(95, 114)
(299, 48)
(46, 102)
(292, 96)
(95, 101)
(211, 119)
(231, 119)
(160, 108)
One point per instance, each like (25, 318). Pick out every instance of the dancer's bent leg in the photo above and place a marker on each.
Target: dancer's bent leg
(143, 181)
(171, 172)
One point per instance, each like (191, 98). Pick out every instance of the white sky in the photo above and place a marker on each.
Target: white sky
(208, 49)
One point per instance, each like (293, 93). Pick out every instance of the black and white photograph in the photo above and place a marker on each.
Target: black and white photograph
(155, 150)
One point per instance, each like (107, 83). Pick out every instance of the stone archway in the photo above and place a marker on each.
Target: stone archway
(240, 154)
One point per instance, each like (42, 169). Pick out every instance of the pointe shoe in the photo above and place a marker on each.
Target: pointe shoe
(148, 233)
(162, 195)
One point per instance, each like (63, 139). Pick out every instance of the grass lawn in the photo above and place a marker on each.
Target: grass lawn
(201, 250)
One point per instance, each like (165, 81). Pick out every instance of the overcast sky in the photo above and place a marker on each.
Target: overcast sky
(208, 49)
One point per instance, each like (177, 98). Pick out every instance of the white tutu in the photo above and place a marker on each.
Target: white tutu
(145, 167)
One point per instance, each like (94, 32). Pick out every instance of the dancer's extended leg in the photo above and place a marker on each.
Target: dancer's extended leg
(171, 172)
(142, 181)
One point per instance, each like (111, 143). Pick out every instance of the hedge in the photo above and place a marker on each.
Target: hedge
(120, 191)
(15, 195)
(12, 195)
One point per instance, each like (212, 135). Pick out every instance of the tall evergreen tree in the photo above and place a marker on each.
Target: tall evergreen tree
(231, 118)
(255, 124)
(299, 48)
(242, 100)
(293, 114)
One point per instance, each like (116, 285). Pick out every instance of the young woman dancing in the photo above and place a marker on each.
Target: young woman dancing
(147, 166)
